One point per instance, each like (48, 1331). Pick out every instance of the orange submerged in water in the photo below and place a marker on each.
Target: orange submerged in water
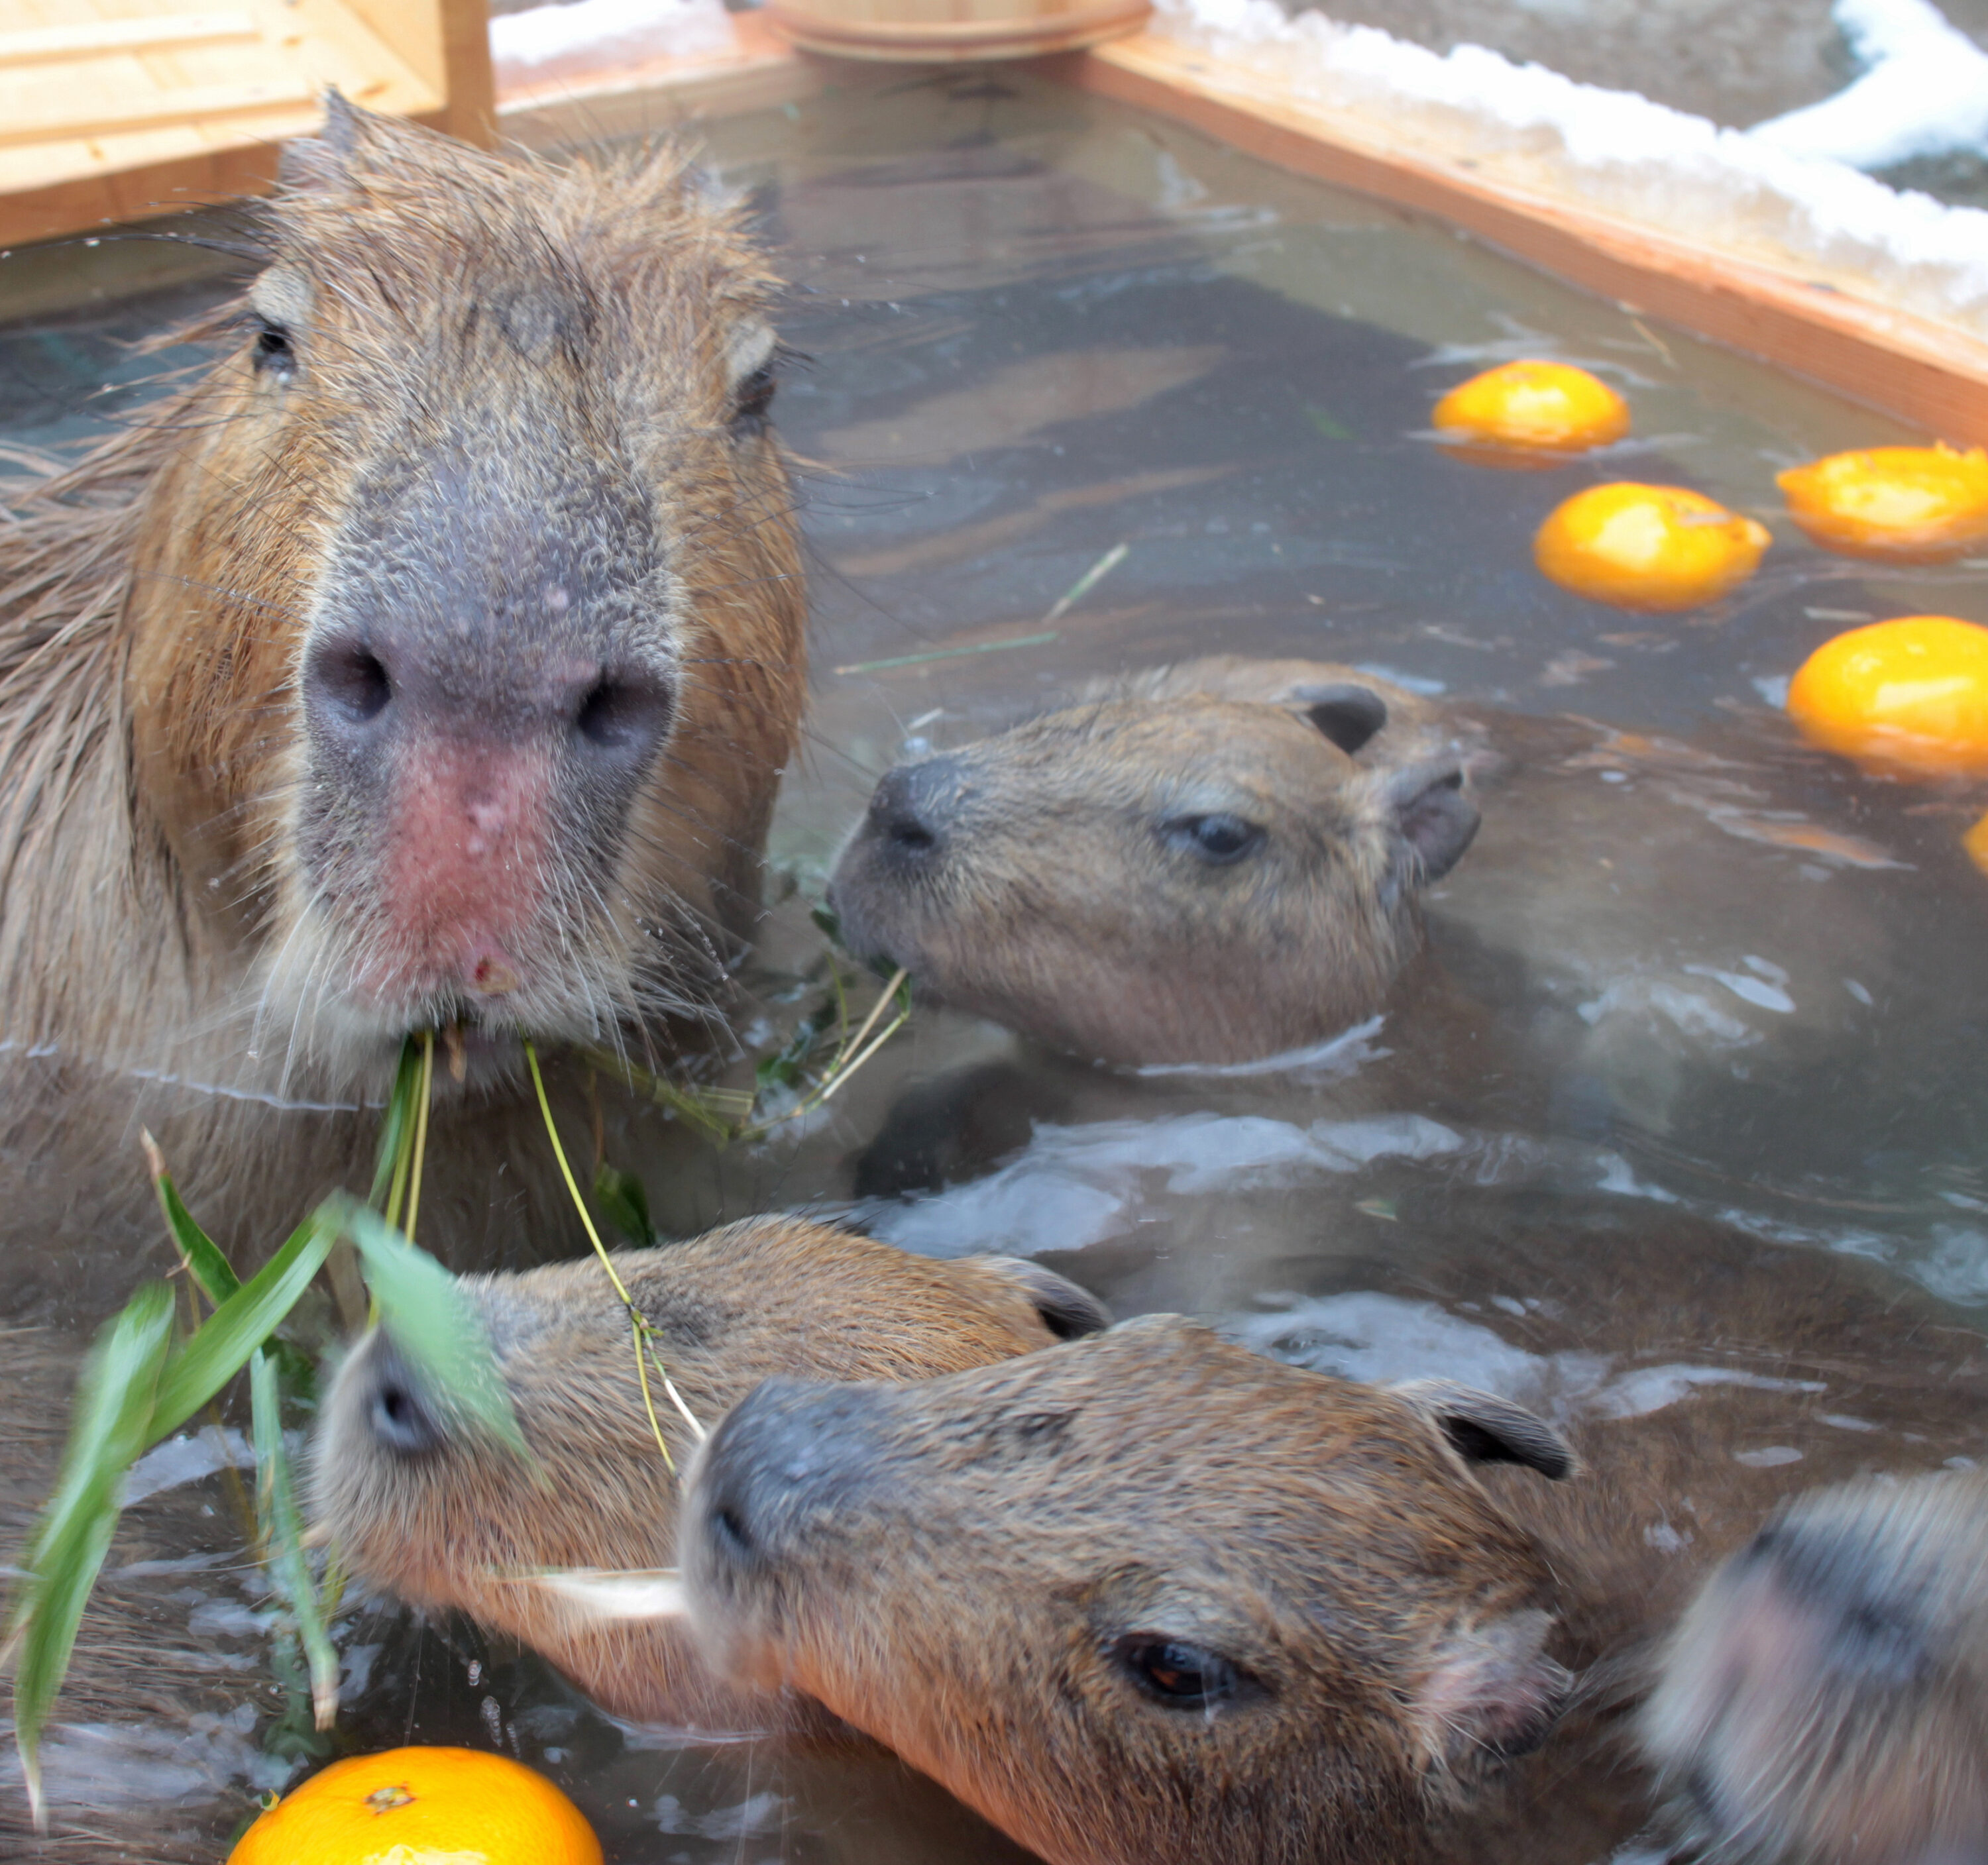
(1911, 503)
(1904, 698)
(421, 1806)
(1653, 547)
(1976, 843)
(1537, 408)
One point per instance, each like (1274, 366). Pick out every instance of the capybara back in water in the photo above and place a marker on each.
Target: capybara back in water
(423, 1505)
(1166, 874)
(431, 660)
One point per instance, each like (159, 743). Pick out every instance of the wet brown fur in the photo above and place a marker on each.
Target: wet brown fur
(769, 1295)
(1154, 1480)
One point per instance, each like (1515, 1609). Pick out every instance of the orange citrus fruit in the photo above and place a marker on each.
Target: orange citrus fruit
(1976, 843)
(1918, 504)
(1550, 408)
(1904, 698)
(421, 1806)
(1650, 547)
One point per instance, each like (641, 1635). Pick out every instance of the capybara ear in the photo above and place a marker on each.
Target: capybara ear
(1348, 715)
(1491, 1690)
(1068, 1311)
(1483, 1428)
(1437, 820)
(324, 160)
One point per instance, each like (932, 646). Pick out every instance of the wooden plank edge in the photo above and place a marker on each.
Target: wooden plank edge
(1933, 375)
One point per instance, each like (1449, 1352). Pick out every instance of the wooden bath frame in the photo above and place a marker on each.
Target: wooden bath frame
(1931, 375)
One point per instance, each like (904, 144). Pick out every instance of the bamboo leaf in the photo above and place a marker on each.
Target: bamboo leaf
(111, 1426)
(222, 1346)
(282, 1538)
(433, 1323)
(214, 1272)
(625, 1200)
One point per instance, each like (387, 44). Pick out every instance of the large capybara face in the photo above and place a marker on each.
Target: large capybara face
(466, 624)
(421, 1504)
(1145, 1600)
(1825, 1700)
(1184, 879)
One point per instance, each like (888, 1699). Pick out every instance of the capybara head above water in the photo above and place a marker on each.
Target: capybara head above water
(1179, 879)
(420, 1503)
(1142, 1599)
(1825, 1700)
(454, 616)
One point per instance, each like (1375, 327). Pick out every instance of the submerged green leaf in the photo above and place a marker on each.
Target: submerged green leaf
(222, 1346)
(432, 1322)
(110, 1427)
(625, 1202)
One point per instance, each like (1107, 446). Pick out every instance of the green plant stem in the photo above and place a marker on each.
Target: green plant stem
(421, 1132)
(639, 1322)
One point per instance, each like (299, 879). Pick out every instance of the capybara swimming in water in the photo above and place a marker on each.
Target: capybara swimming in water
(424, 1507)
(1152, 1597)
(430, 661)
(1823, 1702)
(1163, 874)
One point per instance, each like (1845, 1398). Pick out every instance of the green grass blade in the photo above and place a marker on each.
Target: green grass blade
(214, 1272)
(396, 1129)
(110, 1427)
(283, 1538)
(221, 1347)
(433, 1323)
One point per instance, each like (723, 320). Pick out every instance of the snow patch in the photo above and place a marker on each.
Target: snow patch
(546, 43)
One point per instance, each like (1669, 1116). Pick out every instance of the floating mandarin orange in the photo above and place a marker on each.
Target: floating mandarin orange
(1652, 547)
(1904, 698)
(421, 1806)
(1910, 504)
(1535, 408)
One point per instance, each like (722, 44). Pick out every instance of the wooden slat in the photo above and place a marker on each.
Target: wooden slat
(94, 38)
(193, 104)
(1934, 375)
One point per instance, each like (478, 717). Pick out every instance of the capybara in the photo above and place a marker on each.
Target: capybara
(1162, 874)
(429, 661)
(1151, 1597)
(423, 1506)
(1825, 1700)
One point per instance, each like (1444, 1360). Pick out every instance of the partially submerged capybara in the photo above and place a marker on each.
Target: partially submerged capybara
(1163, 875)
(1825, 1700)
(422, 1505)
(1152, 1597)
(429, 661)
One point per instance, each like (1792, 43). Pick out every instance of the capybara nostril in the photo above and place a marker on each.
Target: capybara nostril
(346, 684)
(398, 1413)
(909, 811)
(626, 714)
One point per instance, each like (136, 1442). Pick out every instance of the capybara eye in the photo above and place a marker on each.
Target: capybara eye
(1179, 1675)
(751, 400)
(272, 352)
(1217, 839)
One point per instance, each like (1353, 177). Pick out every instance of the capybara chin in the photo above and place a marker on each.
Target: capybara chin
(423, 1505)
(1166, 875)
(1825, 1701)
(1148, 1597)
(431, 659)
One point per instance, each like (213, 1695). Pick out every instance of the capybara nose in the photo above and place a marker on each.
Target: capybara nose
(361, 685)
(911, 807)
(786, 1458)
(398, 1413)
